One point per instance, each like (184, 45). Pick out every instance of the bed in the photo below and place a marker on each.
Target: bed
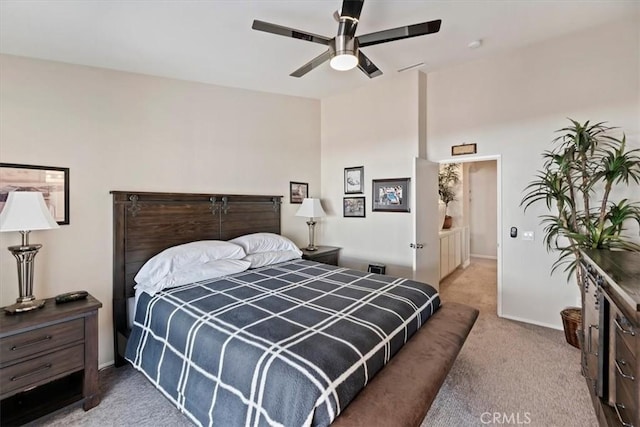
(399, 393)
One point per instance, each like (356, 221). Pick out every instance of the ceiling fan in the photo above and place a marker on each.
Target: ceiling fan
(344, 49)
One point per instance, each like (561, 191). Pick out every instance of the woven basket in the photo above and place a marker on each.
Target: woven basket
(571, 319)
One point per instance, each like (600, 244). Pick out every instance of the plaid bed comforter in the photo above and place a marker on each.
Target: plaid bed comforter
(289, 344)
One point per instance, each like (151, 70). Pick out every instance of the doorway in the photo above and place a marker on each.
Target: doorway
(476, 217)
(480, 208)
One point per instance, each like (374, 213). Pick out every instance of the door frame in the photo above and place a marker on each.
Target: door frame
(498, 159)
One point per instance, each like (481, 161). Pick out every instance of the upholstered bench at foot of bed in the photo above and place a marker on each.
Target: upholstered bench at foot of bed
(402, 393)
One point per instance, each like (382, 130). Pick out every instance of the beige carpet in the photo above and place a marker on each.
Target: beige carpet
(508, 373)
(518, 373)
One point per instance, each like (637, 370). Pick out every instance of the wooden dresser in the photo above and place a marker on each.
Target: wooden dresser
(611, 335)
(48, 359)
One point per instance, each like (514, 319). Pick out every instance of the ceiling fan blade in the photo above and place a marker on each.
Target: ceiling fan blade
(289, 32)
(349, 16)
(351, 9)
(399, 33)
(314, 63)
(368, 67)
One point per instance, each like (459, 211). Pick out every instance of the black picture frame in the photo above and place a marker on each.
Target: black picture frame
(354, 207)
(391, 195)
(298, 191)
(354, 180)
(51, 181)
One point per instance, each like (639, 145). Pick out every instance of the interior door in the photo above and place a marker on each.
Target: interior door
(426, 259)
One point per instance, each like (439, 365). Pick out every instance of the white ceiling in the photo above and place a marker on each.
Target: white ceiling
(212, 41)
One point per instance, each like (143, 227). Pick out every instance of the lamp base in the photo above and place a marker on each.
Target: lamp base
(312, 235)
(25, 254)
(21, 307)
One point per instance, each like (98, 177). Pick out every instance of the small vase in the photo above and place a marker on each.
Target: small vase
(448, 222)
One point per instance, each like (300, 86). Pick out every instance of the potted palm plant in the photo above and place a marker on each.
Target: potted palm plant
(447, 179)
(576, 184)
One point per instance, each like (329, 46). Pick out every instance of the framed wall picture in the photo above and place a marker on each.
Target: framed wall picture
(458, 150)
(354, 180)
(298, 191)
(391, 195)
(52, 182)
(353, 207)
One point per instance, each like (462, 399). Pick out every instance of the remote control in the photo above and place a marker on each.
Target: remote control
(71, 296)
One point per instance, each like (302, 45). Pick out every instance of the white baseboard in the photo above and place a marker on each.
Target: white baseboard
(483, 256)
(533, 322)
(106, 365)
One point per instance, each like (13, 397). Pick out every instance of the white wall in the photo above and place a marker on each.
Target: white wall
(511, 105)
(122, 131)
(483, 208)
(377, 127)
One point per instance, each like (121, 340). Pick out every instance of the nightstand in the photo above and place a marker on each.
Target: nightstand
(48, 359)
(324, 254)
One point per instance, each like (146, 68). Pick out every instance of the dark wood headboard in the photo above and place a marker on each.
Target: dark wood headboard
(145, 224)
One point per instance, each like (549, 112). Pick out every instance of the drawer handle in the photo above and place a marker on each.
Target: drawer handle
(35, 371)
(589, 340)
(619, 368)
(623, 330)
(617, 407)
(30, 343)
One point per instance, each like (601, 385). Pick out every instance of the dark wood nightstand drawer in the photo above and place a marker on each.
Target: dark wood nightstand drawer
(324, 254)
(28, 374)
(326, 259)
(16, 347)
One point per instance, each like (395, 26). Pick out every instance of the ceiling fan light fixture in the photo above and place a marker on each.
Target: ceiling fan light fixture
(343, 51)
(344, 62)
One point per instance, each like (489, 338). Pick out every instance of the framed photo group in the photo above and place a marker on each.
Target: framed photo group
(388, 195)
(354, 207)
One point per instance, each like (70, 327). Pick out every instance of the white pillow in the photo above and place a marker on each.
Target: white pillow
(195, 273)
(177, 257)
(273, 257)
(264, 242)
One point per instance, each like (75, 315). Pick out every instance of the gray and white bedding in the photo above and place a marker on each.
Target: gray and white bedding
(289, 344)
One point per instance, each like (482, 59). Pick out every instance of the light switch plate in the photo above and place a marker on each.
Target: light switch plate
(527, 235)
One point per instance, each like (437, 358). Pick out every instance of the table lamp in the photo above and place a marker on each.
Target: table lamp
(25, 211)
(311, 208)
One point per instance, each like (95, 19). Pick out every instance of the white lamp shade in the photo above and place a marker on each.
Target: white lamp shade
(26, 211)
(311, 208)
